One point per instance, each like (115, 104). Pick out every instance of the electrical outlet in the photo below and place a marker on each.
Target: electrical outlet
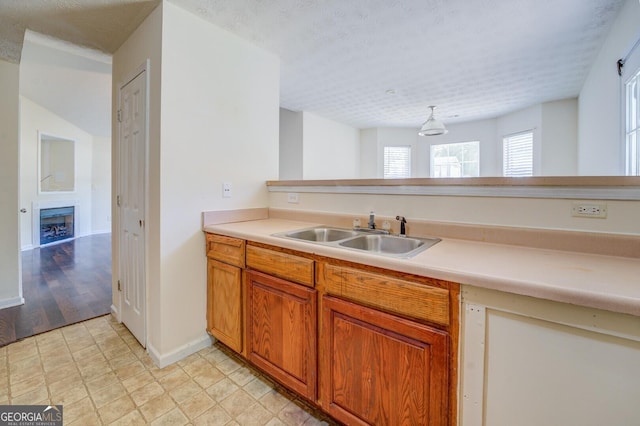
(226, 190)
(292, 197)
(589, 210)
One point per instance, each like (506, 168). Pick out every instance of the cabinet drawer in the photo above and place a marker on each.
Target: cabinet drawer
(226, 249)
(387, 293)
(284, 265)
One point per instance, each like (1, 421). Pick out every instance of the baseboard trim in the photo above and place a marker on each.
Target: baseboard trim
(163, 360)
(115, 312)
(13, 301)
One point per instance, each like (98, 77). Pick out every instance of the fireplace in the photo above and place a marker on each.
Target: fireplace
(56, 224)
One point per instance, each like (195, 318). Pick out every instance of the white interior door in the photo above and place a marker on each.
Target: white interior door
(131, 201)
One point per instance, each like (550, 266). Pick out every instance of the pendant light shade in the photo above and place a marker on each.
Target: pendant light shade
(432, 126)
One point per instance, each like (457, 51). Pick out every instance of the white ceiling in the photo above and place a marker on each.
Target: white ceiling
(472, 58)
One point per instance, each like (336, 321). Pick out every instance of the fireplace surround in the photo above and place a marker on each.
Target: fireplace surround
(54, 221)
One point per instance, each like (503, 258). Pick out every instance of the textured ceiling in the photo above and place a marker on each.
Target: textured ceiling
(472, 58)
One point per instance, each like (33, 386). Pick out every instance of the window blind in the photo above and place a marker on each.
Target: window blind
(518, 154)
(397, 162)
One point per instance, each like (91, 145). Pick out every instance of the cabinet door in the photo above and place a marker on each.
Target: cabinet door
(281, 331)
(224, 303)
(381, 369)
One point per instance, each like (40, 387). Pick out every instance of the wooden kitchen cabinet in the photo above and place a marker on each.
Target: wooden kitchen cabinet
(224, 289)
(281, 331)
(381, 369)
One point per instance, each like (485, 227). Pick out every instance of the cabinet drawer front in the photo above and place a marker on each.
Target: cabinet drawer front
(390, 294)
(283, 265)
(226, 249)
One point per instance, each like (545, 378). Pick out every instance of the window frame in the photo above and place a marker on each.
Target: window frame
(510, 136)
(408, 161)
(432, 165)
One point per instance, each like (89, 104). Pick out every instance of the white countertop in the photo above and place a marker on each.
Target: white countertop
(596, 281)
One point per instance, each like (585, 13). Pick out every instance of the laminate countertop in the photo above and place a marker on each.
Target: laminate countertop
(597, 281)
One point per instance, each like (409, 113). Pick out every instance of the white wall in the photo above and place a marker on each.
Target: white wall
(543, 213)
(601, 147)
(213, 119)
(330, 149)
(369, 154)
(219, 124)
(33, 119)
(559, 138)
(290, 145)
(101, 185)
(144, 44)
(10, 267)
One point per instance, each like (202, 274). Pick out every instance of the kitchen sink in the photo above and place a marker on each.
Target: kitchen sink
(371, 241)
(321, 234)
(389, 244)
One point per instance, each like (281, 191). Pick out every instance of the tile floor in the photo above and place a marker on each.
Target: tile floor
(102, 376)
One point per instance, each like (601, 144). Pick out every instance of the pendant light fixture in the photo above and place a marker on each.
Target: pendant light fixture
(433, 126)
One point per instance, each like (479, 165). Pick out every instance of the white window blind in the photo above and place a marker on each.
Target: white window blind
(517, 154)
(632, 130)
(397, 162)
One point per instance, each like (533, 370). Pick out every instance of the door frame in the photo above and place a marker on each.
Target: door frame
(116, 182)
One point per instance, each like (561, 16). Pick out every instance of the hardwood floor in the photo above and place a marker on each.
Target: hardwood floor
(62, 284)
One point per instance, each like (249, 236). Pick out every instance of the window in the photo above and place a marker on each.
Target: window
(517, 154)
(455, 159)
(632, 130)
(397, 162)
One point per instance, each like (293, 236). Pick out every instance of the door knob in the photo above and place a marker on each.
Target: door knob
(23, 210)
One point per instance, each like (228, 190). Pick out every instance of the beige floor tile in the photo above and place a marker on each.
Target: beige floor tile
(293, 415)
(161, 372)
(274, 401)
(137, 381)
(173, 380)
(116, 409)
(174, 417)
(228, 366)
(157, 407)
(197, 404)
(24, 363)
(254, 415)
(237, 402)
(146, 393)
(56, 360)
(134, 418)
(185, 391)
(102, 376)
(67, 394)
(103, 381)
(63, 372)
(129, 370)
(258, 387)
(209, 377)
(222, 389)
(27, 385)
(215, 416)
(86, 420)
(78, 410)
(197, 367)
(242, 376)
(32, 397)
(103, 396)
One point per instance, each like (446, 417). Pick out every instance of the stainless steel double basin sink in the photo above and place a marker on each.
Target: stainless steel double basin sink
(371, 241)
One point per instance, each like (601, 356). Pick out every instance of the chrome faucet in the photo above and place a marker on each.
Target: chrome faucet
(403, 230)
(372, 221)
